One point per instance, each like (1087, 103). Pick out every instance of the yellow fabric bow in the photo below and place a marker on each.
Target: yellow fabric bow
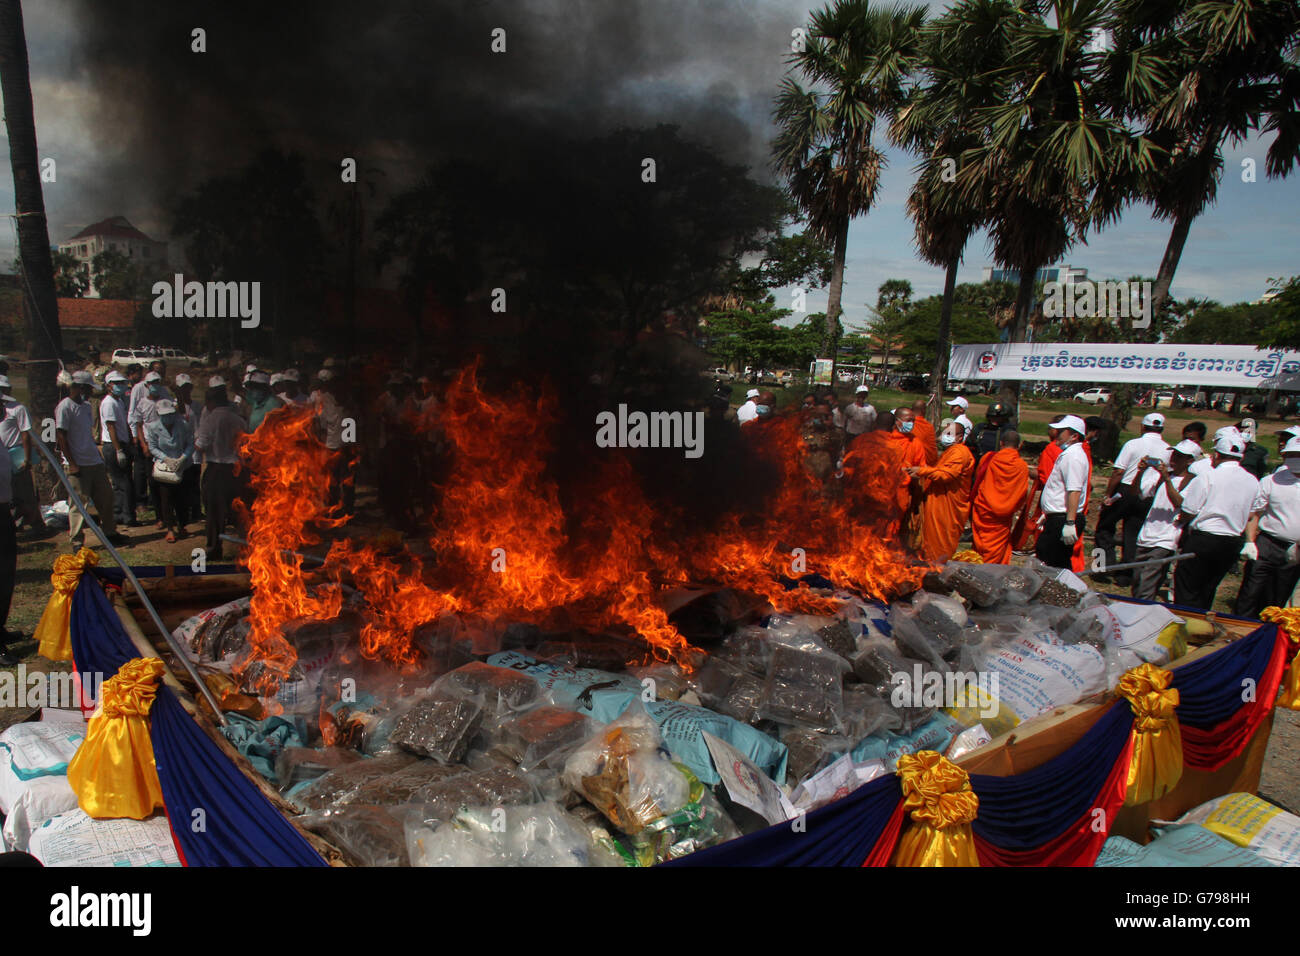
(1157, 762)
(113, 771)
(937, 795)
(53, 630)
(1288, 619)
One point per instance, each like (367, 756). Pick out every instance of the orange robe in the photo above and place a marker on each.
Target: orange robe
(1001, 486)
(947, 502)
(923, 432)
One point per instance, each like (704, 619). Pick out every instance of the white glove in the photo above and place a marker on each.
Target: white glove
(121, 458)
(1293, 556)
(1069, 534)
(1250, 551)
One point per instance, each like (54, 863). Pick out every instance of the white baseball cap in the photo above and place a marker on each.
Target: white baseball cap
(258, 378)
(1154, 420)
(960, 401)
(115, 376)
(1292, 431)
(82, 378)
(153, 377)
(1189, 448)
(325, 375)
(165, 407)
(277, 378)
(63, 378)
(752, 393)
(183, 379)
(250, 368)
(1292, 447)
(1229, 444)
(4, 381)
(1074, 423)
(216, 381)
(862, 388)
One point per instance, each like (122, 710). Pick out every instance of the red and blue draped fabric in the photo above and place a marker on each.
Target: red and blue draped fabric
(237, 825)
(1057, 814)
(857, 830)
(1225, 696)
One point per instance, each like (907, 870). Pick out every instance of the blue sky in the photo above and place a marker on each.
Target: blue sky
(1250, 235)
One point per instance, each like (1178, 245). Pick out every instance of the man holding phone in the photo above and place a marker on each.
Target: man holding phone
(1130, 492)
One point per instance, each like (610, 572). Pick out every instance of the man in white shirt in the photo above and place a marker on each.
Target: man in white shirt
(1159, 535)
(1063, 496)
(859, 417)
(1127, 499)
(1203, 464)
(16, 439)
(74, 431)
(220, 428)
(1216, 507)
(1271, 549)
(748, 411)
(958, 408)
(118, 448)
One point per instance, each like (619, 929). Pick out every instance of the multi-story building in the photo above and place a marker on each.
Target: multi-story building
(1064, 274)
(115, 233)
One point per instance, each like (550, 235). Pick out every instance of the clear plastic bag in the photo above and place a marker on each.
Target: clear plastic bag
(334, 787)
(623, 772)
(811, 751)
(541, 834)
(498, 690)
(441, 729)
(542, 737)
(367, 835)
(804, 688)
(400, 786)
(299, 764)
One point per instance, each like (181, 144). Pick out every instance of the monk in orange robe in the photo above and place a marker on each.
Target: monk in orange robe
(923, 432)
(1001, 488)
(946, 505)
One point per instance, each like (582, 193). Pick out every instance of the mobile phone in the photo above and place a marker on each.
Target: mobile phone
(1154, 462)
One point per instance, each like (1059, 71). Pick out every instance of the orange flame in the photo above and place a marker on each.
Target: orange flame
(506, 549)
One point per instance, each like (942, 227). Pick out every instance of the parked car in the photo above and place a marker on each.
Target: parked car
(1093, 396)
(721, 374)
(175, 358)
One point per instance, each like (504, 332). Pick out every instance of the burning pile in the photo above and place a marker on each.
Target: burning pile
(506, 548)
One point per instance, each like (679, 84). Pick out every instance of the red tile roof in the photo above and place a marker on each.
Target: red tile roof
(116, 227)
(97, 313)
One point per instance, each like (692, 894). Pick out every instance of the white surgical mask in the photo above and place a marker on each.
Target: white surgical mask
(946, 440)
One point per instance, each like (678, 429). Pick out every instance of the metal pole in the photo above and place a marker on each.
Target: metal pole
(1135, 564)
(135, 582)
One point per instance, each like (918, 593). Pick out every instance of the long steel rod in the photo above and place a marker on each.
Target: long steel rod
(1135, 564)
(126, 569)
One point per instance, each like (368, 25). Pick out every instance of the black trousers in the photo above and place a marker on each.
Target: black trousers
(8, 564)
(122, 480)
(1197, 579)
(142, 470)
(219, 489)
(1132, 509)
(1267, 580)
(1050, 549)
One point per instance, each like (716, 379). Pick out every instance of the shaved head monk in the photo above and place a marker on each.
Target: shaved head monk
(1001, 490)
(946, 502)
(923, 432)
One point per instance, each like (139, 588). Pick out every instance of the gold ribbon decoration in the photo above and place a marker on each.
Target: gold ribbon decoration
(53, 631)
(970, 557)
(941, 803)
(1157, 762)
(113, 772)
(1288, 619)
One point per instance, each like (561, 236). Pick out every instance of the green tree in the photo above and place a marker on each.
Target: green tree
(117, 276)
(857, 59)
(973, 312)
(1046, 141)
(890, 318)
(71, 278)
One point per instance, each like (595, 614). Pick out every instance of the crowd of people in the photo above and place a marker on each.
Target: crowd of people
(1181, 513)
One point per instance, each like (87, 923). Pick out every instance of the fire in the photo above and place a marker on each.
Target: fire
(505, 548)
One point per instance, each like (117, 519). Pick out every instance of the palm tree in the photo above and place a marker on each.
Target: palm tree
(1045, 138)
(857, 58)
(44, 340)
(933, 122)
(1194, 74)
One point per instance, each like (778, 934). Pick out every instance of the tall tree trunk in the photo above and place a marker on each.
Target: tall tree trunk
(831, 336)
(1009, 393)
(939, 374)
(44, 340)
(1169, 263)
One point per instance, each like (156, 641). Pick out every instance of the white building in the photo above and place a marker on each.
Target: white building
(115, 233)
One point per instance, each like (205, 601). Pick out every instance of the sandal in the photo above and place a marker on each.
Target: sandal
(171, 537)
